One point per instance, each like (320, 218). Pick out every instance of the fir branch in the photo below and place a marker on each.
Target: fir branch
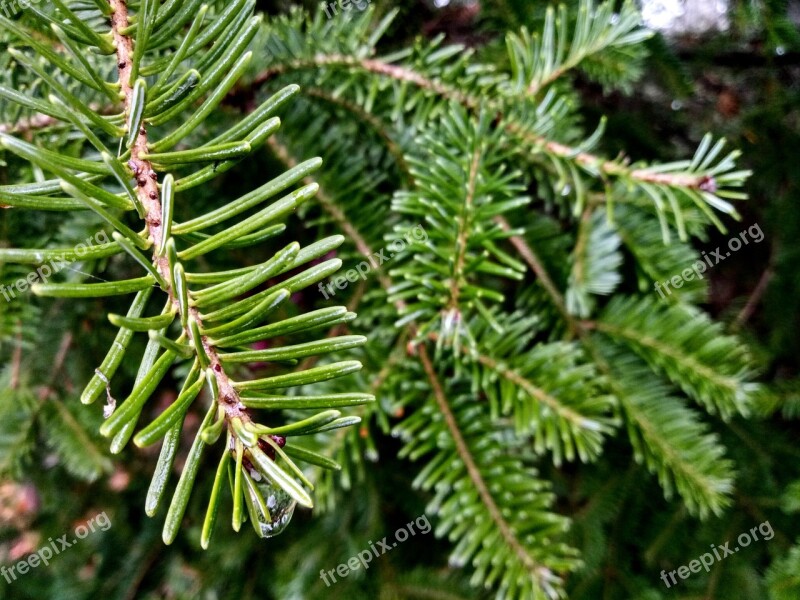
(542, 60)
(149, 197)
(463, 145)
(540, 574)
(463, 228)
(670, 438)
(687, 347)
(669, 452)
(576, 419)
(596, 263)
(405, 74)
(697, 182)
(537, 572)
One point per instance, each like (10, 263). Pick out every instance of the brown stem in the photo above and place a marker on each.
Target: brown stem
(755, 297)
(147, 190)
(463, 228)
(611, 168)
(38, 121)
(473, 471)
(399, 73)
(532, 260)
(16, 359)
(58, 363)
(536, 86)
(371, 65)
(25, 126)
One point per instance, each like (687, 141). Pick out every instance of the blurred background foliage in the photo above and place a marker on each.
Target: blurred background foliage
(738, 76)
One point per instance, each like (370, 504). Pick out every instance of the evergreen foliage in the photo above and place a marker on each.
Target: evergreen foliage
(206, 324)
(517, 349)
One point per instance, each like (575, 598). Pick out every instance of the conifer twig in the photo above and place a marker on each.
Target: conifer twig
(755, 296)
(404, 74)
(438, 392)
(472, 468)
(33, 123)
(148, 192)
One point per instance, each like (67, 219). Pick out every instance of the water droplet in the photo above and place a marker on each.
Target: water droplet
(780, 50)
(280, 505)
(441, 3)
(450, 323)
(456, 562)
(565, 191)
(676, 105)
(614, 19)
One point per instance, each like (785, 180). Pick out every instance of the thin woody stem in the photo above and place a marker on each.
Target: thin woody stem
(39, 121)
(473, 471)
(463, 228)
(584, 159)
(148, 193)
(607, 167)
